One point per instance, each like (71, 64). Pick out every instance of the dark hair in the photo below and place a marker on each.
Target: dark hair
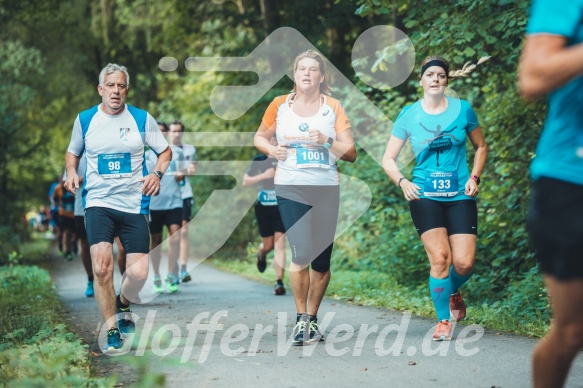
(162, 123)
(464, 72)
(178, 122)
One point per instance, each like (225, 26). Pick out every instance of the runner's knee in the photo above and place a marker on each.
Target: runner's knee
(464, 268)
(570, 337)
(321, 266)
(138, 271)
(267, 246)
(174, 238)
(103, 270)
(440, 261)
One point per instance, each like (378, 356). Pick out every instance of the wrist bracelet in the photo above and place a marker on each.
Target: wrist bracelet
(400, 179)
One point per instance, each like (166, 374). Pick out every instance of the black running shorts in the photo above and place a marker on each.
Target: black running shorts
(555, 225)
(103, 224)
(67, 223)
(186, 209)
(458, 217)
(161, 218)
(80, 227)
(268, 220)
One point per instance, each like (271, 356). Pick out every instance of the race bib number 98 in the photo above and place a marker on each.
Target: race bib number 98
(114, 165)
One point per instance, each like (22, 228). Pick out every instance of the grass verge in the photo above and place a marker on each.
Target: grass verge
(36, 349)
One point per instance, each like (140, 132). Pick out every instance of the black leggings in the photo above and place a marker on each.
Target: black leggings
(309, 215)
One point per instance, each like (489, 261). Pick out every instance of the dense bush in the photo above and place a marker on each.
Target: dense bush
(36, 350)
(506, 274)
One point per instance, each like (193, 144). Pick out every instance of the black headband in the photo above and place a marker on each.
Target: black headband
(435, 62)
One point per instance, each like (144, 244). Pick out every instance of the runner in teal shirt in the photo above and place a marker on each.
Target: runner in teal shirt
(559, 153)
(442, 192)
(552, 64)
(439, 143)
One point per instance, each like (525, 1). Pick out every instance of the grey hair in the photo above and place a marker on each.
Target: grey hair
(112, 68)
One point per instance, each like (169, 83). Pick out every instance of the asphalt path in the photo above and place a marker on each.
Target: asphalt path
(222, 330)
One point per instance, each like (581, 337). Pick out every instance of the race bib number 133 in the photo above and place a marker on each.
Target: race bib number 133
(440, 184)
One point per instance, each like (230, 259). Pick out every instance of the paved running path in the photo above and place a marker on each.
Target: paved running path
(247, 350)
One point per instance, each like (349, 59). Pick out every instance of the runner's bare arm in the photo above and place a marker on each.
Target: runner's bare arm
(249, 180)
(477, 139)
(262, 138)
(151, 181)
(547, 64)
(394, 147)
(71, 164)
(343, 147)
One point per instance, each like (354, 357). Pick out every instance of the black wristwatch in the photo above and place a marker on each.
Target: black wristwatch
(328, 142)
(158, 173)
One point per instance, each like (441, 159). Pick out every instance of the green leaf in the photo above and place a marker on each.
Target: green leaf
(470, 52)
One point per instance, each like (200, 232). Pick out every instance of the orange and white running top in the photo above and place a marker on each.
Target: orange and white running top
(307, 163)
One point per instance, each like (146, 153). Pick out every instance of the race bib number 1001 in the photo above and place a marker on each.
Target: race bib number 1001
(313, 157)
(114, 165)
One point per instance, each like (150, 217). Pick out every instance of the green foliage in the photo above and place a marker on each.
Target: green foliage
(35, 250)
(13, 258)
(384, 240)
(32, 251)
(51, 358)
(22, 291)
(36, 350)
(52, 52)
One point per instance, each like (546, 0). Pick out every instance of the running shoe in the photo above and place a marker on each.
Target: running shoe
(261, 262)
(114, 341)
(315, 334)
(279, 289)
(457, 306)
(89, 291)
(442, 331)
(185, 276)
(157, 289)
(301, 332)
(125, 324)
(171, 284)
(69, 256)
